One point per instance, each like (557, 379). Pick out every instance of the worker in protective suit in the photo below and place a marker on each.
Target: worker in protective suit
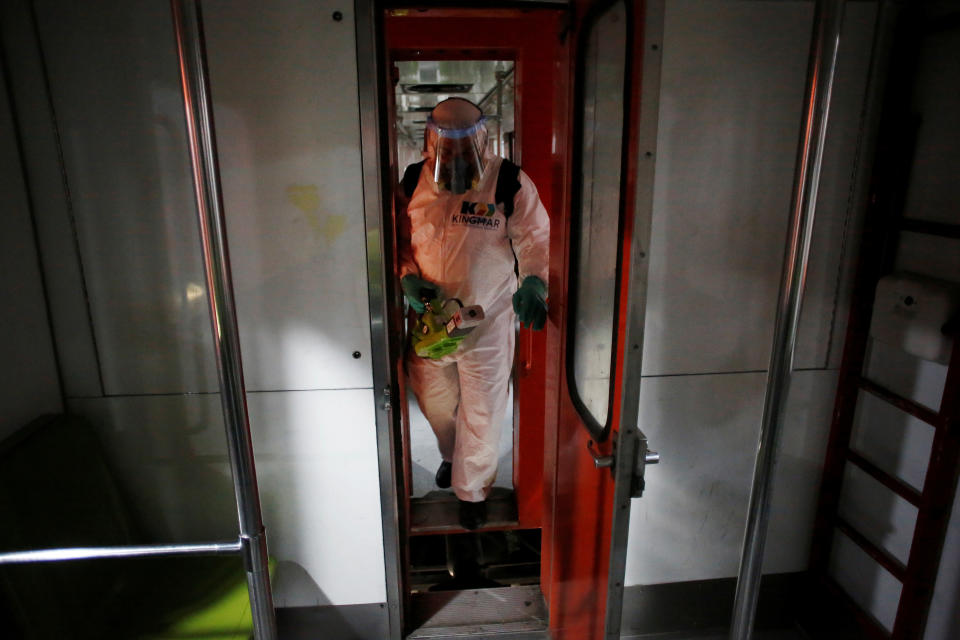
(473, 218)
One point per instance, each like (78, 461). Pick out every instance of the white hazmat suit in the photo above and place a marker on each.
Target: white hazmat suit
(466, 245)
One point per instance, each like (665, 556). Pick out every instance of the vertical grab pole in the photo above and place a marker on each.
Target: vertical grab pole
(198, 109)
(827, 20)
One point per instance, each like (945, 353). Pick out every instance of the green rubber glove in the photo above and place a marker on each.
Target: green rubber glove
(530, 303)
(416, 290)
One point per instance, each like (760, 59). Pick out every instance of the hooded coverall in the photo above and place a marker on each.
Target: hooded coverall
(466, 245)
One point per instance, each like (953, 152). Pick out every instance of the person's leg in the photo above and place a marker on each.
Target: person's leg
(484, 372)
(437, 390)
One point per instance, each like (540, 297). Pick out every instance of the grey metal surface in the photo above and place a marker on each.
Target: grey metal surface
(631, 447)
(198, 111)
(444, 614)
(820, 73)
(383, 352)
(344, 622)
(90, 553)
(776, 634)
(438, 511)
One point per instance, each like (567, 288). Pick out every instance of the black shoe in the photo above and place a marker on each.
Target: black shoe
(443, 475)
(473, 515)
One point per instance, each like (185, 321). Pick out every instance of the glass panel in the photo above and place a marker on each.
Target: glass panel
(597, 228)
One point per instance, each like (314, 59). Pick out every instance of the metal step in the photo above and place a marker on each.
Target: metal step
(439, 512)
(452, 614)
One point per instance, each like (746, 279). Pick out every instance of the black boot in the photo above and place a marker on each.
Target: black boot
(443, 475)
(473, 515)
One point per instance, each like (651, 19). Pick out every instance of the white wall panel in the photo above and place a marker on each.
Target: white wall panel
(58, 249)
(730, 108)
(689, 523)
(289, 143)
(28, 369)
(115, 85)
(317, 466)
(893, 440)
(882, 516)
(869, 584)
(907, 375)
(320, 486)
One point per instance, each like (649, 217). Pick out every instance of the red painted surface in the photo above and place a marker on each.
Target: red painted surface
(530, 39)
(579, 497)
(558, 487)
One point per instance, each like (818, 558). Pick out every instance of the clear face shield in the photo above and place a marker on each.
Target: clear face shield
(455, 155)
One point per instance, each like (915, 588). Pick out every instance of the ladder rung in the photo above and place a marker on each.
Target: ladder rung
(919, 411)
(928, 227)
(893, 483)
(887, 561)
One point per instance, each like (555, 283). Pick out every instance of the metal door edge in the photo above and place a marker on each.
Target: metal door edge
(368, 64)
(631, 448)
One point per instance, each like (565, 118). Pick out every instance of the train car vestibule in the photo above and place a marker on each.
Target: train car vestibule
(370, 320)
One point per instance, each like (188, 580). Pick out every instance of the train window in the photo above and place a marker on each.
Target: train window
(596, 216)
(420, 85)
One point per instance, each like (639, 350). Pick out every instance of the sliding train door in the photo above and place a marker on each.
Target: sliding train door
(596, 452)
(583, 127)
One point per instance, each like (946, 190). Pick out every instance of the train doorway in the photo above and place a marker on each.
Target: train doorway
(561, 93)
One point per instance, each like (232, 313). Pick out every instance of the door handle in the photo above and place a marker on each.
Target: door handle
(599, 461)
(648, 457)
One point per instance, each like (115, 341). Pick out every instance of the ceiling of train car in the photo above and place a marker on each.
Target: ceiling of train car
(424, 83)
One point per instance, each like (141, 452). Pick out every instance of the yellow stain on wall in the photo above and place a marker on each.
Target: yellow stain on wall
(306, 198)
(334, 226)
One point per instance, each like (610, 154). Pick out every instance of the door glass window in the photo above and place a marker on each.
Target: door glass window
(597, 200)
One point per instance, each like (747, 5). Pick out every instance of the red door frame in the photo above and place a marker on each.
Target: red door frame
(531, 39)
(558, 486)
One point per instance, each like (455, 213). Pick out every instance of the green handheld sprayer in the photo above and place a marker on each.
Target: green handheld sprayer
(442, 326)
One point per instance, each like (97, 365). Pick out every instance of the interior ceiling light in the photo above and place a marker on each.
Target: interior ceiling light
(437, 87)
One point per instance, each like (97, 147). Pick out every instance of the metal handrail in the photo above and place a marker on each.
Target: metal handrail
(127, 551)
(821, 67)
(198, 110)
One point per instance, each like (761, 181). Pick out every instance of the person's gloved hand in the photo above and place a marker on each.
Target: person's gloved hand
(530, 302)
(416, 289)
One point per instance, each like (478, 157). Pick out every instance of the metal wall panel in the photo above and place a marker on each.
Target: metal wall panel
(689, 523)
(317, 472)
(285, 95)
(934, 189)
(733, 76)
(288, 135)
(49, 189)
(289, 142)
(28, 369)
(113, 76)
